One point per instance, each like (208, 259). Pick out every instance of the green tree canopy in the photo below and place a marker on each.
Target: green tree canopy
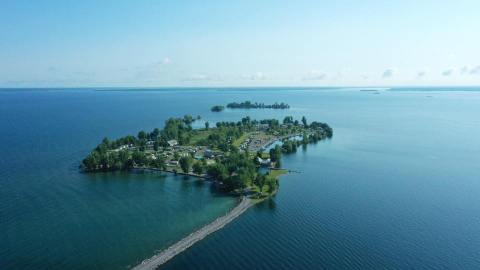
(198, 168)
(185, 163)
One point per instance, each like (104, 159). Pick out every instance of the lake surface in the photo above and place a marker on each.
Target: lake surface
(397, 187)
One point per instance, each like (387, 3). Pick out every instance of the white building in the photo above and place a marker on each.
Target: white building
(264, 162)
(172, 143)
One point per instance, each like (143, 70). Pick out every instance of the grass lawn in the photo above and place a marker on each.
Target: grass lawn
(277, 173)
(199, 135)
(265, 155)
(240, 140)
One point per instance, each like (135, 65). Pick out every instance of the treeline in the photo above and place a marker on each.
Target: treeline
(256, 105)
(117, 161)
(311, 133)
(321, 130)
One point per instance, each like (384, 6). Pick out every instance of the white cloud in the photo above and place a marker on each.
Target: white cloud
(388, 73)
(475, 70)
(197, 77)
(315, 75)
(464, 70)
(259, 76)
(447, 72)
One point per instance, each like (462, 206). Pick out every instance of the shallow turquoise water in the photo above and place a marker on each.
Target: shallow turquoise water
(396, 188)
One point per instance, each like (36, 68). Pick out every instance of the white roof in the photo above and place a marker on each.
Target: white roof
(172, 142)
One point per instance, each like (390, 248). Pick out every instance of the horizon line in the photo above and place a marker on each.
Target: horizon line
(227, 86)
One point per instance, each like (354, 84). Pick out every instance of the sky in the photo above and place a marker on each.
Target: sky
(239, 43)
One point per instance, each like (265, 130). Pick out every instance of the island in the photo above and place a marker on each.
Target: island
(241, 158)
(217, 108)
(254, 105)
(251, 105)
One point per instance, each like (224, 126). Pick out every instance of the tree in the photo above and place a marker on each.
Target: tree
(198, 168)
(243, 176)
(271, 183)
(155, 133)
(142, 135)
(106, 161)
(185, 164)
(106, 142)
(289, 146)
(305, 138)
(188, 119)
(207, 125)
(261, 182)
(91, 162)
(246, 121)
(156, 145)
(217, 108)
(123, 158)
(304, 121)
(218, 172)
(142, 145)
(128, 164)
(276, 153)
(139, 158)
(159, 162)
(278, 164)
(288, 120)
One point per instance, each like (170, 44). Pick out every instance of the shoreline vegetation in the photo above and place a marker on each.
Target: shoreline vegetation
(229, 154)
(251, 105)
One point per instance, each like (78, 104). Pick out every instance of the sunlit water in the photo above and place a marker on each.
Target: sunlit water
(397, 187)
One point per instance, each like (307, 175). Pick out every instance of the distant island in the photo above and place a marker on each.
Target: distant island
(217, 108)
(255, 105)
(230, 154)
(251, 105)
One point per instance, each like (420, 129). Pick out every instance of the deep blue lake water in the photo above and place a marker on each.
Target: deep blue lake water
(397, 187)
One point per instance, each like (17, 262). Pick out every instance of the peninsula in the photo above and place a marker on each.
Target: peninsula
(230, 154)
